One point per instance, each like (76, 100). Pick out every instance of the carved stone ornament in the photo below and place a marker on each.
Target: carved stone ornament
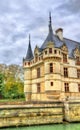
(64, 47)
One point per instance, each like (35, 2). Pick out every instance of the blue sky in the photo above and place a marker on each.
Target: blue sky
(18, 18)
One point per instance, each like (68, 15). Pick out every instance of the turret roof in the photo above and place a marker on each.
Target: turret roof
(57, 42)
(29, 55)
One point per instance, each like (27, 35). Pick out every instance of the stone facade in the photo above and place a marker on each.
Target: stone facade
(53, 73)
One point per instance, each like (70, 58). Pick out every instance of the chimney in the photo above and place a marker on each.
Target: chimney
(59, 33)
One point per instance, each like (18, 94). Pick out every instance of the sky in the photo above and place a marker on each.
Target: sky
(19, 18)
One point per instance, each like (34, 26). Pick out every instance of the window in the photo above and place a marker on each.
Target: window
(79, 87)
(38, 72)
(55, 51)
(28, 63)
(38, 88)
(78, 73)
(45, 52)
(39, 58)
(77, 59)
(51, 67)
(25, 63)
(36, 57)
(66, 85)
(64, 57)
(51, 83)
(65, 72)
(50, 50)
(42, 57)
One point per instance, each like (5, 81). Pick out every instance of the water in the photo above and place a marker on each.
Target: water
(75, 126)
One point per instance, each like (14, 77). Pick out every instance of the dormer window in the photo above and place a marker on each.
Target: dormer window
(45, 52)
(64, 58)
(50, 50)
(77, 60)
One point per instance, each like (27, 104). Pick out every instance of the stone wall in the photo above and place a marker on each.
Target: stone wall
(31, 114)
(39, 113)
(72, 111)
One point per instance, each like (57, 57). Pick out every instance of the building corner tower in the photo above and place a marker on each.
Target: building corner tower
(27, 72)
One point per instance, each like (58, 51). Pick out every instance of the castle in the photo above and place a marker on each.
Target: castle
(53, 72)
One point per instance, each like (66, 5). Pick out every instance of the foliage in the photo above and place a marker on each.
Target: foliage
(1, 85)
(10, 88)
(11, 84)
(14, 90)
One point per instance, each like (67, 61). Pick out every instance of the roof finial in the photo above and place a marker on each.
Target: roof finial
(50, 22)
(29, 39)
(49, 18)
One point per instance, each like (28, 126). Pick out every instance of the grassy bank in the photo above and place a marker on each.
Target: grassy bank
(11, 101)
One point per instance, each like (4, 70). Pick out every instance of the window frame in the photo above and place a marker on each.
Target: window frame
(38, 72)
(51, 83)
(66, 86)
(65, 72)
(64, 57)
(38, 88)
(78, 73)
(78, 87)
(50, 50)
(51, 67)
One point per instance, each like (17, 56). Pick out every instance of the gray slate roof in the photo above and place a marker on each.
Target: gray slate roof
(58, 43)
(29, 55)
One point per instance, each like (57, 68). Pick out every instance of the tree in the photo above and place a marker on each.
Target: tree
(1, 85)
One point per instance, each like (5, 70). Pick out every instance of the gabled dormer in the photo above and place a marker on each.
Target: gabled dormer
(64, 50)
(77, 55)
(36, 50)
(36, 53)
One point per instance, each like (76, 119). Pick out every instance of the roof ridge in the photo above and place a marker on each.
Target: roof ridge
(71, 40)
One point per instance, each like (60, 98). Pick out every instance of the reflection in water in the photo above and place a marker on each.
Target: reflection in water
(75, 126)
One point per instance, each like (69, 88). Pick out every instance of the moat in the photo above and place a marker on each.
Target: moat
(75, 126)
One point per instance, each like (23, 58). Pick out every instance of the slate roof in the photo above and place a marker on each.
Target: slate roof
(51, 37)
(29, 55)
(58, 43)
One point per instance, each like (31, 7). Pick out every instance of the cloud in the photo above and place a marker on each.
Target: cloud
(19, 18)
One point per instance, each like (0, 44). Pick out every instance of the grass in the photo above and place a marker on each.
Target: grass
(12, 100)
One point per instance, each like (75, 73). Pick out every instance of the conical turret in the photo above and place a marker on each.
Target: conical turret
(50, 37)
(29, 55)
